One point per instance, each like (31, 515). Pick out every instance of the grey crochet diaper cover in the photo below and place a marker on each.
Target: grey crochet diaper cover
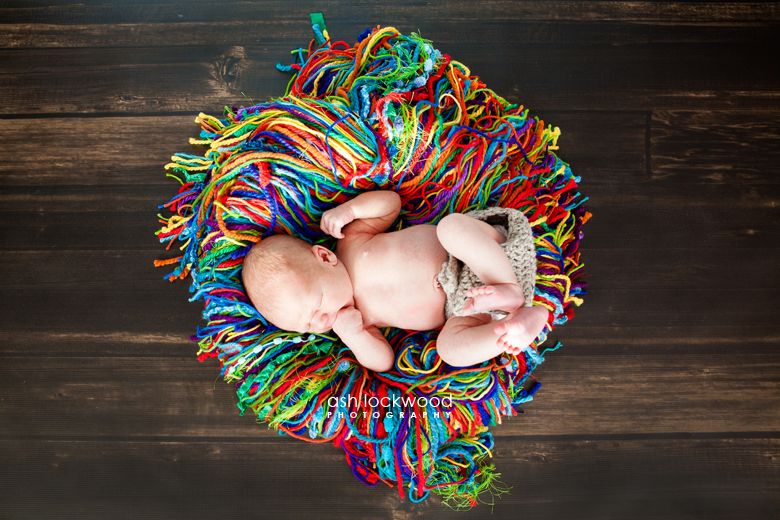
(456, 278)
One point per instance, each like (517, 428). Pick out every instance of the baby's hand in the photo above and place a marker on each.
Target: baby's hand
(348, 321)
(336, 218)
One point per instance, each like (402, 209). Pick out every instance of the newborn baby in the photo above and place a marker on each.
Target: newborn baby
(378, 279)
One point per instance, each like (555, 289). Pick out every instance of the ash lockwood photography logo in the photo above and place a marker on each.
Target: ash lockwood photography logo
(402, 406)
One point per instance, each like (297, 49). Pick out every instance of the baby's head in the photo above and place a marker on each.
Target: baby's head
(295, 285)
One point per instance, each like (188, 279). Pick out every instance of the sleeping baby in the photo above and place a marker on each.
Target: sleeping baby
(472, 275)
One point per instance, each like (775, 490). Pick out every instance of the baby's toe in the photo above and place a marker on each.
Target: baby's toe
(501, 327)
(474, 291)
(508, 348)
(480, 290)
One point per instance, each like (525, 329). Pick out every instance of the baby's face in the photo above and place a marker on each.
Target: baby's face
(312, 306)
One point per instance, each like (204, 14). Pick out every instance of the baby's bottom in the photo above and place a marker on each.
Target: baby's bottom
(472, 339)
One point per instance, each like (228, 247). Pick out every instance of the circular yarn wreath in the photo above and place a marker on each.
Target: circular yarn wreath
(389, 112)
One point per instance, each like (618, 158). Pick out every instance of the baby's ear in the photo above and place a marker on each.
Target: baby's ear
(323, 254)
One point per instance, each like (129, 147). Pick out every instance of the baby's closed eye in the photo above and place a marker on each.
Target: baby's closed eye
(315, 310)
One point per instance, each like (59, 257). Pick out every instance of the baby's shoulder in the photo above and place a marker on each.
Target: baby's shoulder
(353, 244)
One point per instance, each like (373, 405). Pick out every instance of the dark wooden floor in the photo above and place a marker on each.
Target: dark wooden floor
(664, 401)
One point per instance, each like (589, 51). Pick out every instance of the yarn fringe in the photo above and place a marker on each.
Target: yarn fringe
(389, 112)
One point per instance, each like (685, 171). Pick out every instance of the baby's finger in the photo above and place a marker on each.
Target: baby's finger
(337, 229)
(325, 222)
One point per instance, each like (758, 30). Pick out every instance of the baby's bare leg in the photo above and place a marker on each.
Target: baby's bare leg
(476, 243)
(468, 340)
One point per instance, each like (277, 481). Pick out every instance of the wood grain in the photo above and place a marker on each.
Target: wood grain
(664, 402)
(582, 395)
(556, 478)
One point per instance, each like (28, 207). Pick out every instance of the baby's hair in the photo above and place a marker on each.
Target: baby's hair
(270, 266)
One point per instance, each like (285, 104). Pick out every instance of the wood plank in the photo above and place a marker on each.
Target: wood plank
(697, 147)
(237, 27)
(87, 291)
(165, 329)
(672, 196)
(129, 150)
(669, 313)
(573, 75)
(578, 339)
(153, 11)
(621, 222)
(609, 268)
(700, 146)
(191, 478)
(132, 396)
(732, 147)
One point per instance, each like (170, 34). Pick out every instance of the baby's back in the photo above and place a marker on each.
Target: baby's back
(394, 277)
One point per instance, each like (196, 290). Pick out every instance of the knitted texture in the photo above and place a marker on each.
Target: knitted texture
(456, 277)
(387, 112)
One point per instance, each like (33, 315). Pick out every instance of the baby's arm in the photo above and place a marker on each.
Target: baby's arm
(370, 212)
(367, 343)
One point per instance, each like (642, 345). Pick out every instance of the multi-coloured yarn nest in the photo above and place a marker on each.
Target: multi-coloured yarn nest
(389, 112)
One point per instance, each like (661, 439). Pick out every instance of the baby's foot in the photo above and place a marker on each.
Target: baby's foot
(517, 330)
(495, 297)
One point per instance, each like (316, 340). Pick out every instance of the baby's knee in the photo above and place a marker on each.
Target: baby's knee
(451, 227)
